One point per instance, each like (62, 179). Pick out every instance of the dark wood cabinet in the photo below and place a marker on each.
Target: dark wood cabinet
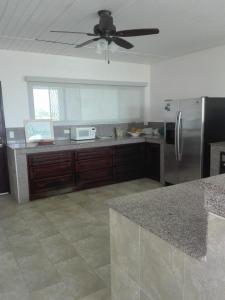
(94, 167)
(152, 168)
(50, 172)
(129, 162)
(94, 153)
(65, 171)
(46, 187)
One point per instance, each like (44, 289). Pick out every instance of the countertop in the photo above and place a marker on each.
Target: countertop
(218, 144)
(178, 214)
(70, 144)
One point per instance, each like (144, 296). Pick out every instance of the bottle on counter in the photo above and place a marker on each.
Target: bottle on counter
(119, 132)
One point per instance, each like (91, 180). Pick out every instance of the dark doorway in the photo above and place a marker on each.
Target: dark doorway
(4, 177)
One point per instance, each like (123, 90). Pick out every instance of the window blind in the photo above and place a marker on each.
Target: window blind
(86, 103)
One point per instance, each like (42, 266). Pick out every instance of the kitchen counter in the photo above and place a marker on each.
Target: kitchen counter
(216, 149)
(73, 145)
(178, 214)
(168, 243)
(219, 145)
(17, 157)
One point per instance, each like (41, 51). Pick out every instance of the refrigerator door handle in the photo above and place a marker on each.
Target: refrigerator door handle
(179, 135)
(176, 137)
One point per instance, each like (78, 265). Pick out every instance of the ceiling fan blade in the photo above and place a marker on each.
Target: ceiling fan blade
(73, 32)
(87, 42)
(55, 42)
(122, 43)
(137, 32)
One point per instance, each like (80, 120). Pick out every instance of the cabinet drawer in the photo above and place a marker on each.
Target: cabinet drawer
(94, 153)
(50, 158)
(48, 184)
(93, 164)
(53, 170)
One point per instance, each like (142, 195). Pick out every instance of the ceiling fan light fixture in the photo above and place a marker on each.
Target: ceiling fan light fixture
(113, 47)
(102, 45)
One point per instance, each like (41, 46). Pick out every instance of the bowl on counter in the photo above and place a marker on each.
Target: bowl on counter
(134, 134)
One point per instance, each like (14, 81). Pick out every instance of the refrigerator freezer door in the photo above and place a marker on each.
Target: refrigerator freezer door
(170, 159)
(191, 139)
(170, 110)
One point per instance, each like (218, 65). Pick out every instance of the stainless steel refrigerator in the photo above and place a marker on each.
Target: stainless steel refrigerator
(190, 125)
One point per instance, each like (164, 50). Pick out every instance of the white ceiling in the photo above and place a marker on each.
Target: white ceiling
(185, 26)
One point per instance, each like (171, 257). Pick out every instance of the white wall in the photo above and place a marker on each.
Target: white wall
(14, 66)
(199, 74)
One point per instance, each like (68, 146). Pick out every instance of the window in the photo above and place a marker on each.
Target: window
(47, 103)
(86, 103)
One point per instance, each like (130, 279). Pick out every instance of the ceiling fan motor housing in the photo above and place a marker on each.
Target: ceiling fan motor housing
(105, 26)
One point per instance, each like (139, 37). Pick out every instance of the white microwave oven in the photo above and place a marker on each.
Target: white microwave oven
(83, 133)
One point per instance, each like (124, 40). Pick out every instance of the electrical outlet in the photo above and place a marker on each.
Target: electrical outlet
(66, 131)
(11, 134)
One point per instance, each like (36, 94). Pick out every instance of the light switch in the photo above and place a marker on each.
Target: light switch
(11, 134)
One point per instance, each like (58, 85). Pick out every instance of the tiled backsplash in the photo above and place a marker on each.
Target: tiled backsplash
(102, 130)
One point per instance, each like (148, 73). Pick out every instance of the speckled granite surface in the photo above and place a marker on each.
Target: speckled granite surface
(219, 144)
(177, 214)
(216, 149)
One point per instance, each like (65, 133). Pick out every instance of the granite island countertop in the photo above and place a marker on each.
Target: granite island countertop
(177, 214)
(218, 144)
(215, 153)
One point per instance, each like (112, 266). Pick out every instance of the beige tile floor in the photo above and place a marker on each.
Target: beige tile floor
(58, 248)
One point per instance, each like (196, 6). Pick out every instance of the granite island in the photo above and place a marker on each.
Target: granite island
(215, 155)
(169, 243)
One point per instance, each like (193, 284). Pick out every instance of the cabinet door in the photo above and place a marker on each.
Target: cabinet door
(53, 170)
(50, 158)
(94, 178)
(94, 167)
(129, 162)
(153, 161)
(93, 164)
(128, 172)
(94, 153)
(41, 188)
(50, 172)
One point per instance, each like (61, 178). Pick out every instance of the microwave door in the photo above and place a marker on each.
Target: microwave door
(83, 133)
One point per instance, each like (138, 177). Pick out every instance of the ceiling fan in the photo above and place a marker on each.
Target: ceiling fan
(106, 30)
